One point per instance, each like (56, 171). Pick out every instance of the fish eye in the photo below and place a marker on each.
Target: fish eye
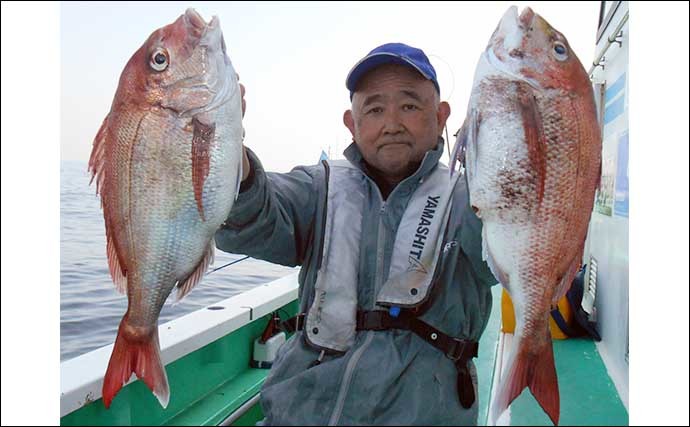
(159, 60)
(560, 51)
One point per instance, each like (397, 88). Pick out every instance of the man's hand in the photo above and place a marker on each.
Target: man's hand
(245, 159)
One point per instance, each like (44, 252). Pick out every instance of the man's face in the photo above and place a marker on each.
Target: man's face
(395, 119)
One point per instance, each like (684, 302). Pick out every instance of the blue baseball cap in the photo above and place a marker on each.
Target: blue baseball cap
(392, 53)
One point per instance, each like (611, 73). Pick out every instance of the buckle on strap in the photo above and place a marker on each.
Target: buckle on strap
(373, 320)
(461, 350)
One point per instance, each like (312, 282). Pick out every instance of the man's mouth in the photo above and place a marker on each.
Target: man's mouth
(393, 144)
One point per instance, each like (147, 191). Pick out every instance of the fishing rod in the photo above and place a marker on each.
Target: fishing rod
(228, 264)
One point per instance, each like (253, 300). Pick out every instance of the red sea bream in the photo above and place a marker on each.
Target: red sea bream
(532, 150)
(167, 163)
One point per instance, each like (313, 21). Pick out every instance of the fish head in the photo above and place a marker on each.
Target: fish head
(182, 67)
(526, 47)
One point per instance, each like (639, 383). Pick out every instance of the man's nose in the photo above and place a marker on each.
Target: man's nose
(392, 121)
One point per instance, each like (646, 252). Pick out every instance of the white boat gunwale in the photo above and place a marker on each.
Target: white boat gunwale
(81, 378)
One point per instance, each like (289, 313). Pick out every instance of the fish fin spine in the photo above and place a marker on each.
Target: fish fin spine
(186, 285)
(118, 274)
(97, 158)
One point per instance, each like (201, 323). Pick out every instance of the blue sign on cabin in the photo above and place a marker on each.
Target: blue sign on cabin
(622, 197)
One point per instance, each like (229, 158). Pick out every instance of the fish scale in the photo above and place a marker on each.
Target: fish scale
(167, 163)
(532, 152)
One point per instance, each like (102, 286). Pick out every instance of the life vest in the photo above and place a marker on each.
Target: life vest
(331, 320)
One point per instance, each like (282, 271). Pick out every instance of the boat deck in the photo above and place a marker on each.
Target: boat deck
(588, 395)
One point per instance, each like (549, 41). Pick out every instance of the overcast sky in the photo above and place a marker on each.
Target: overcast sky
(293, 59)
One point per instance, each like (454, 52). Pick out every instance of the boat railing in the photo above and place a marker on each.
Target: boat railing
(81, 378)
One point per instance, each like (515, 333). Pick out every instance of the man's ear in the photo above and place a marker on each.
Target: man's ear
(442, 114)
(349, 121)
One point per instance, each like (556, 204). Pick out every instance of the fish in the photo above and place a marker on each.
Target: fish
(530, 146)
(167, 161)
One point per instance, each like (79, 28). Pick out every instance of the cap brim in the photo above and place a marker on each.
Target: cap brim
(374, 60)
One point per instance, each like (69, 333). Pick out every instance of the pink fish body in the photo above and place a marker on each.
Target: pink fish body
(167, 162)
(532, 148)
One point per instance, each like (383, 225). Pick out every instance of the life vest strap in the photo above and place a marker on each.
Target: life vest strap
(458, 350)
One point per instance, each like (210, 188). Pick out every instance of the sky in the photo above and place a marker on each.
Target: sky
(293, 59)
(61, 63)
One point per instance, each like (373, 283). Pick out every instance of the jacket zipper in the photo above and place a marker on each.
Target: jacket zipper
(378, 282)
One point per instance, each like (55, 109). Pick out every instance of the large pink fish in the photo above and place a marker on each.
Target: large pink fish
(167, 163)
(532, 148)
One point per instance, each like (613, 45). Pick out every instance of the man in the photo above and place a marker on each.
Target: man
(393, 291)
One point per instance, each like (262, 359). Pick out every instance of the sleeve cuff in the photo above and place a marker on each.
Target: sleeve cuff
(250, 198)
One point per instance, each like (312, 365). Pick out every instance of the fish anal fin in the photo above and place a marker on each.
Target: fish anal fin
(117, 272)
(202, 139)
(186, 285)
(566, 281)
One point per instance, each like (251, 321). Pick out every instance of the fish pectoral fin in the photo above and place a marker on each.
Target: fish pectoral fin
(535, 138)
(186, 285)
(201, 155)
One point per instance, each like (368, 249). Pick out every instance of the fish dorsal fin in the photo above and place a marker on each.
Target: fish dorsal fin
(186, 285)
(97, 159)
(97, 169)
(466, 139)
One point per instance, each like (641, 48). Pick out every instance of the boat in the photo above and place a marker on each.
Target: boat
(208, 353)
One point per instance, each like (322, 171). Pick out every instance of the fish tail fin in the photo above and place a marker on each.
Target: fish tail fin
(536, 371)
(139, 354)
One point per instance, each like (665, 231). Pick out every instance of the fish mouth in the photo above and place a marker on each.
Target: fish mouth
(513, 27)
(194, 21)
(219, 77)
(506, 42)
(526, 19)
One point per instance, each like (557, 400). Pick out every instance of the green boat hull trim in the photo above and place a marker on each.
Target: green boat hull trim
(207, 355)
